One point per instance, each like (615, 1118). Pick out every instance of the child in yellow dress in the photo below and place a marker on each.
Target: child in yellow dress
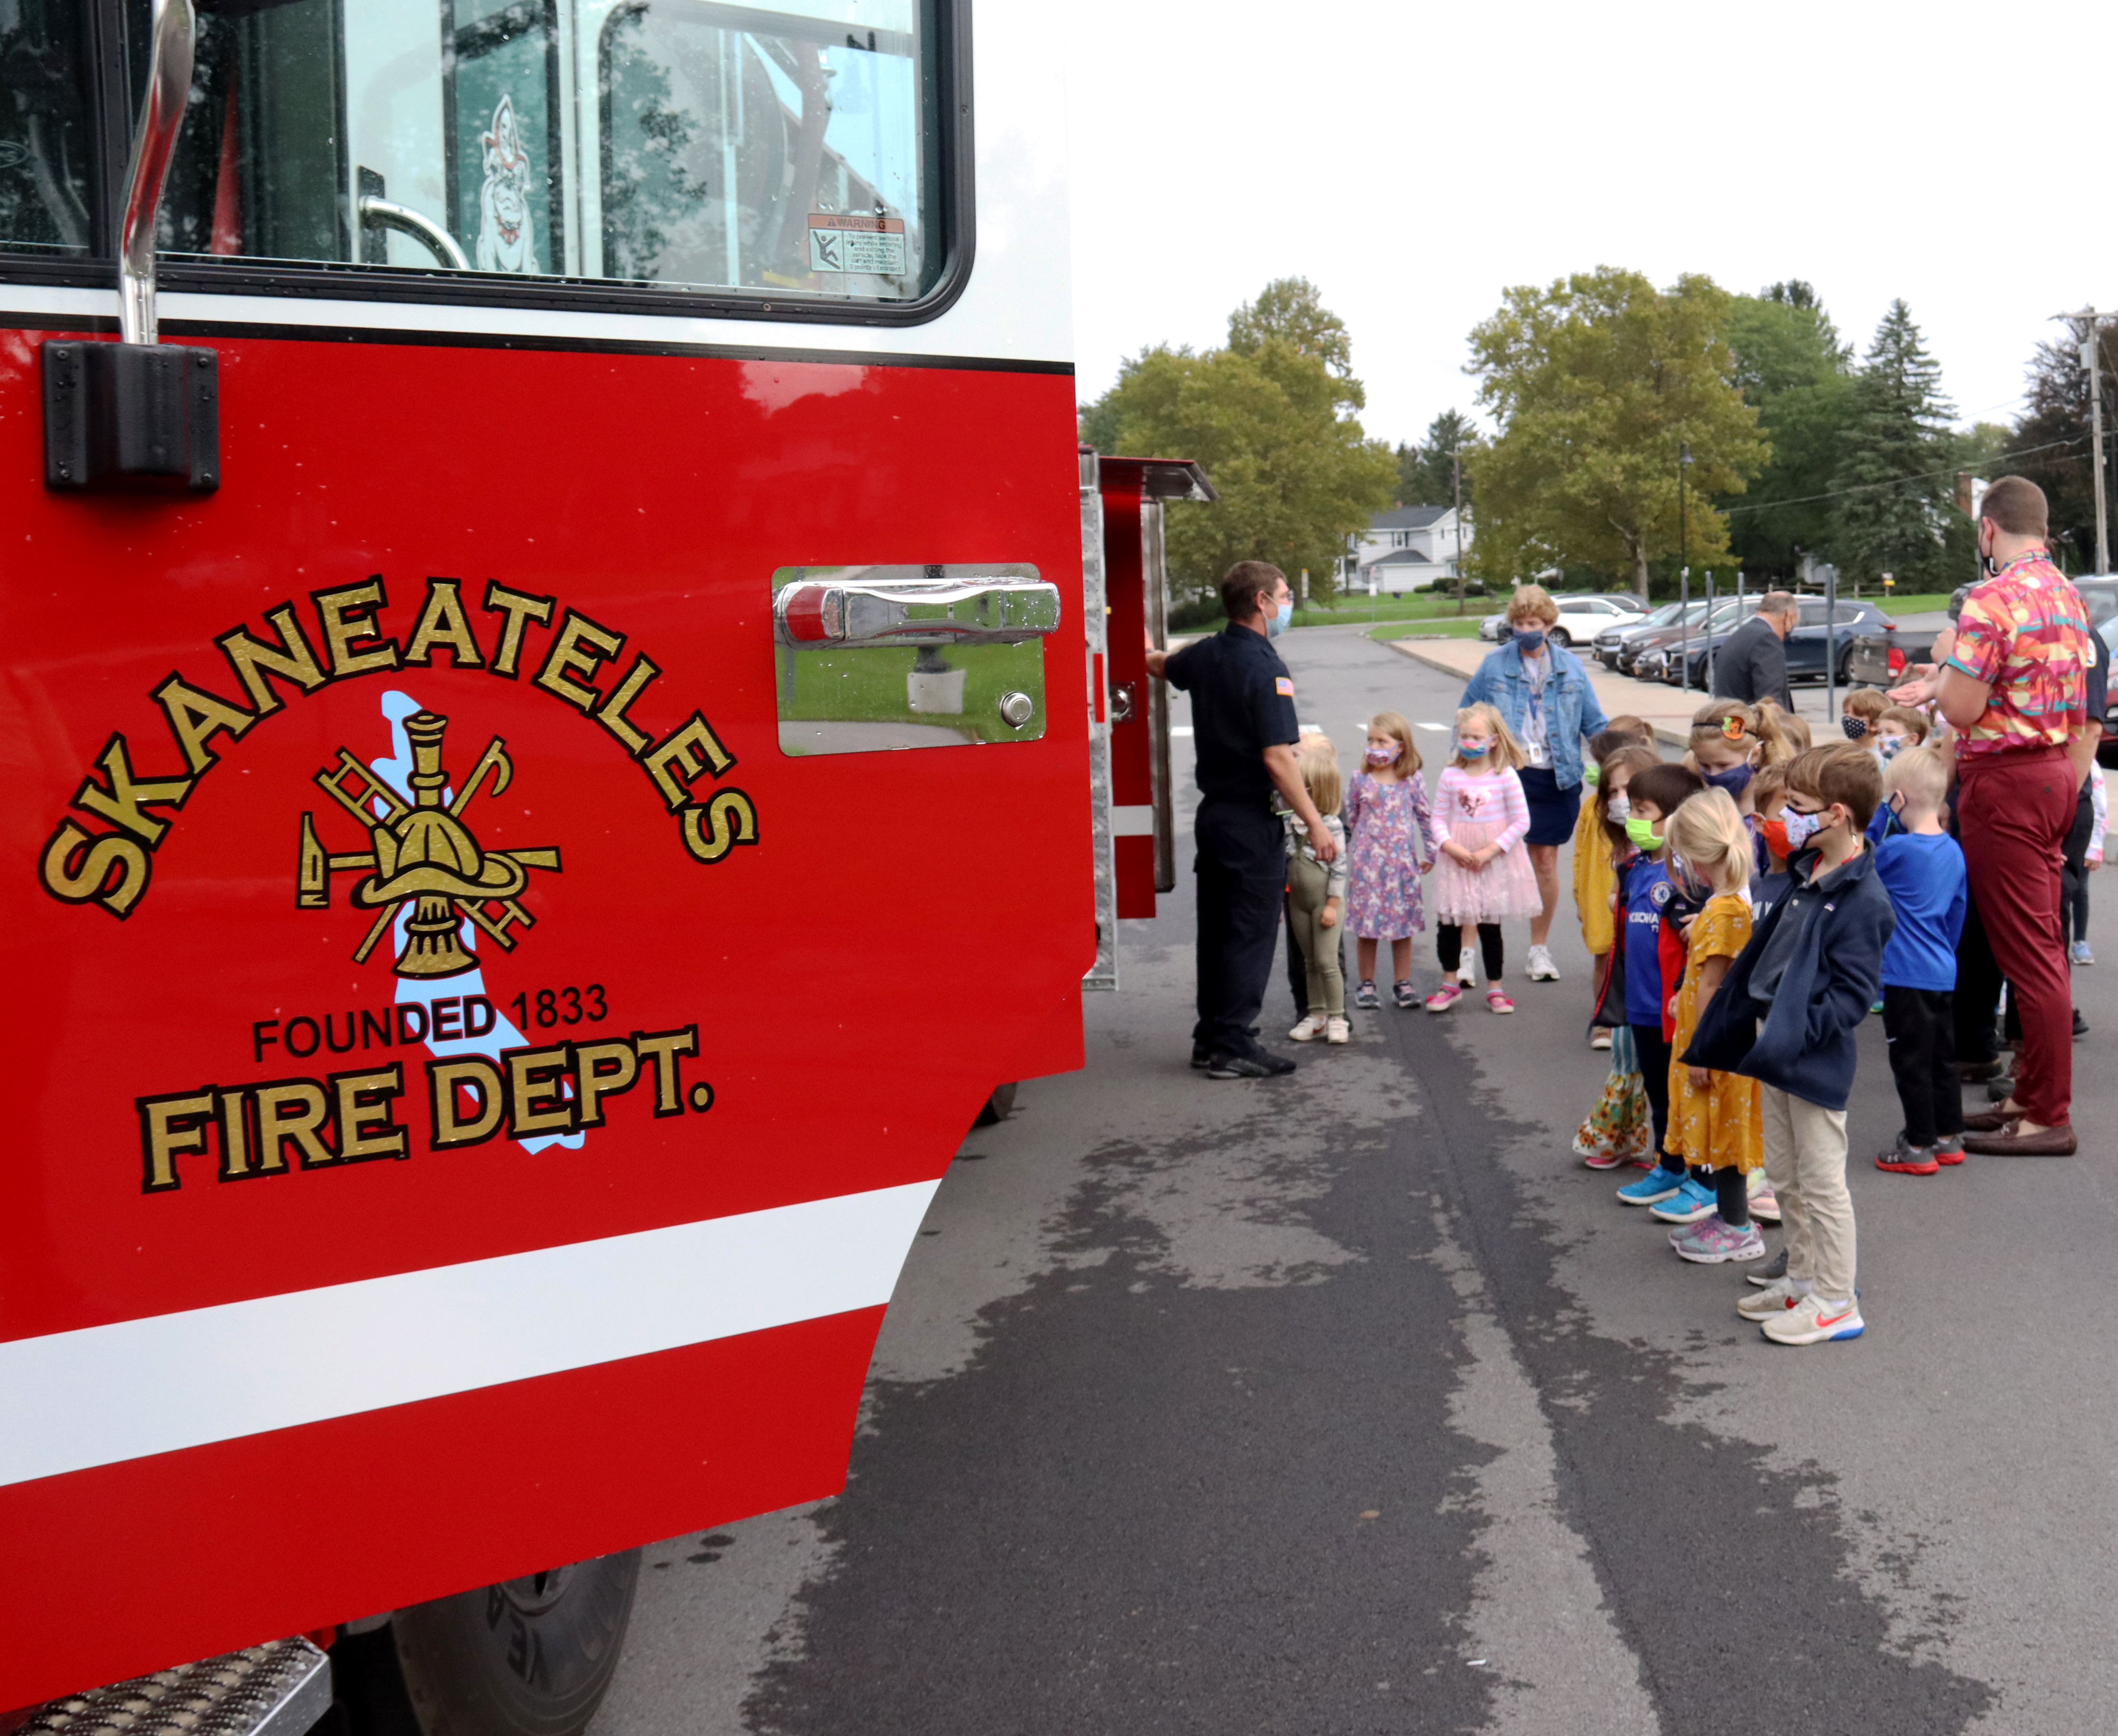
(1595, 865)
(1716, 1120)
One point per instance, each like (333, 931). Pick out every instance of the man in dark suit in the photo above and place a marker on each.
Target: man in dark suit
(1752, 664)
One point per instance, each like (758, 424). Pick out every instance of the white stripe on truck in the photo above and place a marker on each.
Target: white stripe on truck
(102, 1394)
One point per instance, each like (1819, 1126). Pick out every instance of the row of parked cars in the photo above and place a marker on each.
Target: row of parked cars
(1673, 643)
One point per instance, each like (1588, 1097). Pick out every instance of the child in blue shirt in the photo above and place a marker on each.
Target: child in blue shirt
(1922, 868)
(1647, 960)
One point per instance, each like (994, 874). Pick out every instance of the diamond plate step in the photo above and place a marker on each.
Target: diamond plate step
(281, 1689)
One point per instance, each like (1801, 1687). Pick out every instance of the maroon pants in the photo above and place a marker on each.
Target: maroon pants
(2014, 810)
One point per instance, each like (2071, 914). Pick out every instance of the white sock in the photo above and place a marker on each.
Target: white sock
(1831, 1304)
(1802, 1286)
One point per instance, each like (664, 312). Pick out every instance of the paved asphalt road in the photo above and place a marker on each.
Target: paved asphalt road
(1352, 1402)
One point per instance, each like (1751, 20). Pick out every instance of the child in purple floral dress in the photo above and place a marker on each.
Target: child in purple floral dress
(1383, 801)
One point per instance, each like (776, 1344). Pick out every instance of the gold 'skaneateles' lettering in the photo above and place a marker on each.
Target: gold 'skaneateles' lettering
(125, 809)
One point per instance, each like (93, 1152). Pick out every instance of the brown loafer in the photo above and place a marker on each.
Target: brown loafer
(2052, 1142)
(1972, 1071)
(1991, 1121)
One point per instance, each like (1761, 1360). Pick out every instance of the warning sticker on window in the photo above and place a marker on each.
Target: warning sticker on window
(856, 243)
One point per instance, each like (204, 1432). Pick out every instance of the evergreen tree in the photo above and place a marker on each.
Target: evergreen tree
(1424, 472)
(1896, 480)
(2051, 439)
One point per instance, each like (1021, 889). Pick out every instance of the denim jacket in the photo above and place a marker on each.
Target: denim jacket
(1570, 711)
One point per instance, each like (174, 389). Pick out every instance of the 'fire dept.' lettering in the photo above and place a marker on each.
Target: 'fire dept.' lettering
(276, 1127)
(109, 863)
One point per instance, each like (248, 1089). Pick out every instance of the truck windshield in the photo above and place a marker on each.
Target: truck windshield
(790, 153)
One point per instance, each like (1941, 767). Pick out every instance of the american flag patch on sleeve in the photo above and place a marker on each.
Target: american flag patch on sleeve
(1285, 685)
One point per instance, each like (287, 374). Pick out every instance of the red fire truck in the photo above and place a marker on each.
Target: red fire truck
(547, 782)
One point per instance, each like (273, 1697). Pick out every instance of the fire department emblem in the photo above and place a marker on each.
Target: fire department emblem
(423, 858)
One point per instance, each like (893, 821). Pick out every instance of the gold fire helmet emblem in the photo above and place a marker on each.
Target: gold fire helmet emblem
(423, 856)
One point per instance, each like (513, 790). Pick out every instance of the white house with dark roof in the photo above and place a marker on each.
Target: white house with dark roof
(1405, 549)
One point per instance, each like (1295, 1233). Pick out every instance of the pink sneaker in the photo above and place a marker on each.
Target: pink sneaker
(1496, 1002)
(1444, 998)
(1603, 1159)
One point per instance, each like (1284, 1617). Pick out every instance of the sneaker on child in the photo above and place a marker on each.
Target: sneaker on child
(1365, 995)
(1336, 1029)
(1443, 998)
(1542, 969)
(1712, 1242)
(1657, 1185)
(1771, 1272)
(1694, 1201)
(1311, 1028)
(1407, 997)
(1813, 1320)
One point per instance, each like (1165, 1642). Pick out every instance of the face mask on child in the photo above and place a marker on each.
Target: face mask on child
(1642, 834)
(1775, 836)
(1591, 774)
(1470, 749)
(1735, 780)
(1891, 746)
(1800, 827)
(1618, 808)
(1379, 756)
(1854, 727)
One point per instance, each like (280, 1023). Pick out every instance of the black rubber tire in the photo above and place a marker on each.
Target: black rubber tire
(1561, 638)
(531, 1657)
(996, 1108)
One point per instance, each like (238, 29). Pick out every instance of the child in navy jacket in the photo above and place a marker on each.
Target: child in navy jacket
(1786, 1015)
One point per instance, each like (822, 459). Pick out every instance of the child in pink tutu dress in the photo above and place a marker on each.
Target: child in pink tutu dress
(1483, 875)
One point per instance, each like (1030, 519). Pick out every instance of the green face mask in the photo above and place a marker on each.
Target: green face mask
(1591, 774)
(1642, 833)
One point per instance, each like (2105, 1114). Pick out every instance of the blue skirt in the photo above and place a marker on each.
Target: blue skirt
(1552, 811)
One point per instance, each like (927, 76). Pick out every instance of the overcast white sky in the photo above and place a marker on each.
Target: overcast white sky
(1413, 161)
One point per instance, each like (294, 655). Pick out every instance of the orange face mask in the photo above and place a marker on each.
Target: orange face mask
(1775, 835)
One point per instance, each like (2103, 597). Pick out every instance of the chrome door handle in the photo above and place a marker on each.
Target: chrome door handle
(387, 213)
(883, 606)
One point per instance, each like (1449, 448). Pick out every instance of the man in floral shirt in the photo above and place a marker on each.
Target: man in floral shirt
(2015, 688)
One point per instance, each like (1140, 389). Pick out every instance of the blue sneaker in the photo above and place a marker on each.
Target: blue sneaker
(1688, 1204)
(1657, 1184)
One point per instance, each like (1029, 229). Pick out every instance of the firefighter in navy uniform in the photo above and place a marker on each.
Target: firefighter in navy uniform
(1244, 729)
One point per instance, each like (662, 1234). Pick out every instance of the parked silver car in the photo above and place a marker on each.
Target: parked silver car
(1581, 618)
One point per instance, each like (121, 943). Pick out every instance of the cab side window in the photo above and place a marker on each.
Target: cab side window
(798, 154)
(48, 201)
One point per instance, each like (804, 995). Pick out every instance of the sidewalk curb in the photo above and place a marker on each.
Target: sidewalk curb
(1676, 738)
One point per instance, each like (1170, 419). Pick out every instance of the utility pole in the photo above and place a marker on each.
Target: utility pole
(1456, 480)
(2089, 360)
(2094, 318)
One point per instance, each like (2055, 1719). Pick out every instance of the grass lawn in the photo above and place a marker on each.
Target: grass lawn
(1449, 628)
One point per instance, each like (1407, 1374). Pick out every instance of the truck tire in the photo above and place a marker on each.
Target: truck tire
(995, 1109)
(527, 1657)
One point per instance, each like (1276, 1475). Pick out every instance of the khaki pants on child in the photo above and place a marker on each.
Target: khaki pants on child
(1806, 1163)
(1305, 881)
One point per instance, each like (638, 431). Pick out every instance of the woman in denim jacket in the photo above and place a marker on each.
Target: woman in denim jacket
(1544, 694)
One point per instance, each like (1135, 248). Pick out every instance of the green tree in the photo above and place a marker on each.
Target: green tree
(1268, 416)
(1896, 480)
(2051, 441)
(1424, 473)
(1595, 383)
(1793, 366)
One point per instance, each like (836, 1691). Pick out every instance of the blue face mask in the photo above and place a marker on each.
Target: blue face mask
(1276, 624)
(1735, 779)
(1470, 750)
(1530, 640)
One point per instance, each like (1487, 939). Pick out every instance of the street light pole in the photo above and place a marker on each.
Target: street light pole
(1456, 478)
(1683, 561)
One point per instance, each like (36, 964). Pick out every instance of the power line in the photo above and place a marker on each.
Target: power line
(1899, 482)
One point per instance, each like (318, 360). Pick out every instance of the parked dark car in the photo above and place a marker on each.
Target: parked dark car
(1880, 659)
(1806, 644)
(1606, 643)
(1644, 641)
(1656, 659)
